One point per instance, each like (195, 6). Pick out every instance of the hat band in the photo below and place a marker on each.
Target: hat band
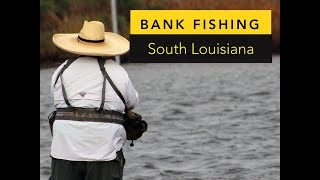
(90, 41)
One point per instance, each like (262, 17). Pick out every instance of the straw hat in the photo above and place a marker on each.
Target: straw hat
(93, 41)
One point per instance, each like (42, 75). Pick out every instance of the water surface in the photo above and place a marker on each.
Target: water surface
(206, 122)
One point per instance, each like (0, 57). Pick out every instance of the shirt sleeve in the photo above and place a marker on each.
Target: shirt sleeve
(132, 96)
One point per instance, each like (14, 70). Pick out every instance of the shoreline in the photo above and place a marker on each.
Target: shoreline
(50, 64)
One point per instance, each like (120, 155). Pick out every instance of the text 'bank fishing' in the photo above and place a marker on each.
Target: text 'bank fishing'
(200, 36)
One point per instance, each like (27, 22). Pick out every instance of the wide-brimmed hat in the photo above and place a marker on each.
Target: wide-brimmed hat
(92, 40)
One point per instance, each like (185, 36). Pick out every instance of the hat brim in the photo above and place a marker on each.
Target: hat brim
(113, 45)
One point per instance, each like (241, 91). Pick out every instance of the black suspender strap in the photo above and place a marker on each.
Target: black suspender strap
(103, 70)
(106, 75)
(71, 60)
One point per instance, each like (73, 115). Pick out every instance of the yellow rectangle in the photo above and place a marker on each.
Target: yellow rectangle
(200, 21)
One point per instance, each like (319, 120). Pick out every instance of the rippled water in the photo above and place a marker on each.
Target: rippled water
(206, 122)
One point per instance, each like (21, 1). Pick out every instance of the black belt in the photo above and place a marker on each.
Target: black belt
(89, 114)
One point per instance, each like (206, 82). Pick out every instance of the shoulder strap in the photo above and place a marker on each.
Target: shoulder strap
(106, 75)
(71, 60)
(102, 69)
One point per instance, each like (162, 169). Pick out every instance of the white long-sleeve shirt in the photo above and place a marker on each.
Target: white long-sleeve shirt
(83, 81)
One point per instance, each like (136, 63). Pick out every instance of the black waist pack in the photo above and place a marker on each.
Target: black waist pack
(134, 125)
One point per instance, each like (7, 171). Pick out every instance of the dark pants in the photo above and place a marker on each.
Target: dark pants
(88, 170)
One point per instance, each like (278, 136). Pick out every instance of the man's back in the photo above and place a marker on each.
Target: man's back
(83, 82)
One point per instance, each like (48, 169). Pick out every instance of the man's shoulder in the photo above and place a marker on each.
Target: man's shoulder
(61, 65)
(115, 68)
(114, 64)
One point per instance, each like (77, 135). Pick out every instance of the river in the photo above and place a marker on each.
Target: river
(207, 121)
